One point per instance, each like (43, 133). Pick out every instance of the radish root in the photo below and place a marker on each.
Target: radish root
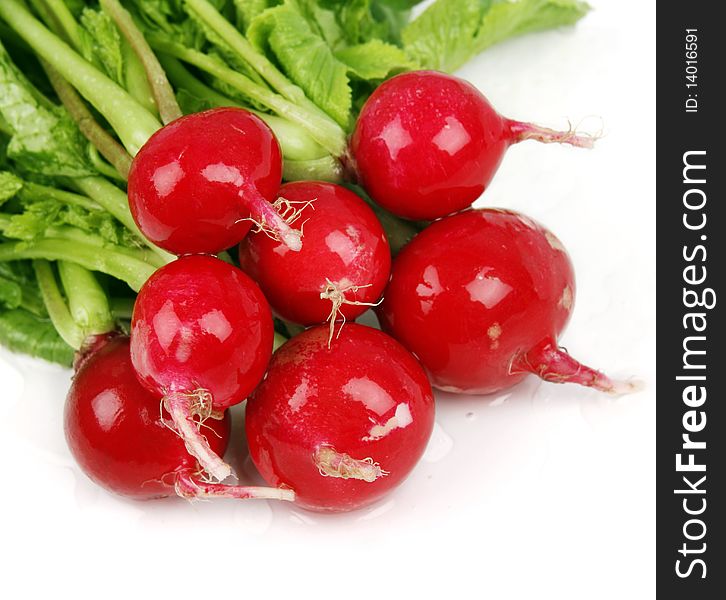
(193, 486)
(529, 131)
(552, 363)
(336, 295)
(183, 408)
(331, 463)
(274, 219)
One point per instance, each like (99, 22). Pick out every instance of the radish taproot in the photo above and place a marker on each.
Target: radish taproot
(427, 144)
(340, 271)
(199, 184)
(201, 338)
(480, 298)
(341, 426)
(120, 437)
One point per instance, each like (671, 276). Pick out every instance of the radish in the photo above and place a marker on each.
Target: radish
(427, 144)
(342, 268)
(118, 435)
(201, 338)
(199, 183)
(340, 426)
(480, 298)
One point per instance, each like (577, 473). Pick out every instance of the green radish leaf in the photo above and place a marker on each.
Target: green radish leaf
(45, 140)
(22, 331)
(443, 36)
(18, 287)
(305, 57)
(450, 32)
(39, 216)
(375, 60)
(11, 295)
(247, 10)
(9, 186)
(507, 19)
(101, 43)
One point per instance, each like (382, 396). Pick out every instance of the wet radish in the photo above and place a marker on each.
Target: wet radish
(201, 338)
(117, 434)
(342, 267)
(199, 183)
(427, 144)
(481, 298)
(340, 426)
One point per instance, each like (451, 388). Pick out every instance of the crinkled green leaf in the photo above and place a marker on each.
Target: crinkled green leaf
(102, 43)
(189, 103)
(11, 295)
(375, 60)
(21, 289)
(305, 58)
(509, 19)
(9, 186)
(222, 50)
(45, 140)
(443, 36)
(247, 10)
(450, 32)
(39, 216)
(22, 331)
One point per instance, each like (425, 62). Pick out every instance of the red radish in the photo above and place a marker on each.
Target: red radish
(116, 432)
(340, 426)
(480, 298)
(199, 183)
(342, 268)
(201, 338)
(427, 144)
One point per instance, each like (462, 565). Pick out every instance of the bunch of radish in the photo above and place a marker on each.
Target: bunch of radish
(341, 413)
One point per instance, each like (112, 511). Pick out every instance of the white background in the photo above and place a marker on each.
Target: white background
(547, 491)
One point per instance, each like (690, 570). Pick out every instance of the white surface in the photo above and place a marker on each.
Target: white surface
(546, 491)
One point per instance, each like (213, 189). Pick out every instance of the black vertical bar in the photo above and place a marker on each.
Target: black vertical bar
(691, 548)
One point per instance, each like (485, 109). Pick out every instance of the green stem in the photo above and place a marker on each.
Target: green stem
(324, 169)
(322, 129)
(65, 21)
(102, 166)
(87, 301)
(131, 121)
(133, 272)
(111, 150)
(122, 308)
(163, 94)
(295, 142)
(57, 309)
(239, 44)
(74, 234)
(135, 80)
(35, 191)
(115, 201)
(278, 341)
(181, 77)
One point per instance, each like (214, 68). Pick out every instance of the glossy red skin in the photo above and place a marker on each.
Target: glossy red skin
(521, 275)
(173, 195)
(114, 430)
(199, 322)
(427, 144)
(305, 402)
(343, 242)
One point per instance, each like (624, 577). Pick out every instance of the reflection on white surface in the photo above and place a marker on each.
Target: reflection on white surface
(439, 446)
